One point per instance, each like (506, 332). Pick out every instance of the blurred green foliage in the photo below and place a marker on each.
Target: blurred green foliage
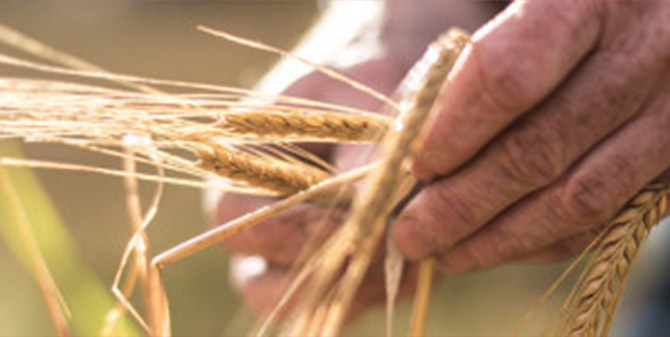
(85, 296)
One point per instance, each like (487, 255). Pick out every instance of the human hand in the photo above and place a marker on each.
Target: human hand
(264, 254)
(553, 118)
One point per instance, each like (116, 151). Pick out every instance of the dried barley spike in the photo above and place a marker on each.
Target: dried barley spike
(600, 291)
(270, 174)
(307, 126)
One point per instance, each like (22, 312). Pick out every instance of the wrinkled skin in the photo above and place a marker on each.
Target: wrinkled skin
(557, 114)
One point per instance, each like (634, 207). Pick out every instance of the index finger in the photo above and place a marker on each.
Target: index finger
(512, 63)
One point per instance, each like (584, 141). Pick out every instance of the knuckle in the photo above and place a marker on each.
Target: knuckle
(590, 197)
(531, 156)
(445, 205)
(501, 247)
(506, 246)
(584, 200)
(506, 83)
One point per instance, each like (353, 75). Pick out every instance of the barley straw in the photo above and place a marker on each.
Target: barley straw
(304, 126)
(600, 292)
(18, 162)
(160, 311)
(430, 76)
(248, 220)
(54, 302)
(225, 91)
(417, 326)
(139, 223)
(136, 244)
(100, 119)
(361, 232)
(394, 264)
(323, 70)
(34, 47)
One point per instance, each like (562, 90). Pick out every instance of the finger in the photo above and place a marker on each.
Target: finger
(263, 285)
(532, 153)
(537, 148)
(282, 238)
(590, 194)
(260, 284)
(564, 249)
(512, 63)
(575, 244)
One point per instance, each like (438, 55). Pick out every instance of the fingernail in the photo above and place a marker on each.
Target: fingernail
(420, 170)
(245, 267)
(412, 241)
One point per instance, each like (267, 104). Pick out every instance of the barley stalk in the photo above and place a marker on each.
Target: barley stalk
(362, 231)
(54, 302)
(171, 126)
(394, 263)
(601, 289)
(305, 126)
(422, 299)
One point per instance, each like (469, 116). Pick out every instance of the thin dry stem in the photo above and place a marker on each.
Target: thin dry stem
(394, 263)
(228, 229)
(137, 244)
(160, 312)
(102, 119)
(122, 293)
(600, 291)
(362, 231)
(18, 162)
(53, 299)
(324, 70)
(417, 326)
(23, 42)
(222, 92)
(143, 262)
(134, 209)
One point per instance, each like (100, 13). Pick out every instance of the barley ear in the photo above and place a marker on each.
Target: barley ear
(305, 126)
(271, 174)
(600, 292)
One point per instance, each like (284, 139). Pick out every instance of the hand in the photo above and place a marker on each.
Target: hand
(554, 117)
(265, 253)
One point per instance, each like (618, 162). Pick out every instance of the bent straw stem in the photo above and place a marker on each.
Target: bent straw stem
(222, 232)
(417, 326)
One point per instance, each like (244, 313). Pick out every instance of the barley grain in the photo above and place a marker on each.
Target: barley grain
(274, 175)
(355, 243)
(600, 291)
(305, 126)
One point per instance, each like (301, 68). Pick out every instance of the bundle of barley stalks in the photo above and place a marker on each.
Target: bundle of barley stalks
(189, 133)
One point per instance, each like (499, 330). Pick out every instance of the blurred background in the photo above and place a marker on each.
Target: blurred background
(159, 39)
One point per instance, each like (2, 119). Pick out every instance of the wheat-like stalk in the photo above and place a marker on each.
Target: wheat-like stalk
(601, 289)
(163, 130)
(322, 308)
(307, 126)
